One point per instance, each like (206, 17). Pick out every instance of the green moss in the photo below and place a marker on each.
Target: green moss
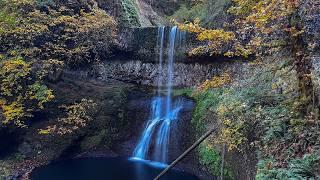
(130, 16)
(8, 19)
(4, 170)
(183, 92)
(205, 101)
(210, 14)
(121, 99)
(189, 14)
(211, 159)
(209, 156)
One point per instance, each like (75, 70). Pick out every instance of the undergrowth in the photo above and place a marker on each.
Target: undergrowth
(265, 113)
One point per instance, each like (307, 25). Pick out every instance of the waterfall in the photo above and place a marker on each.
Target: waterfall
(160, 45)
(142, 148)
(172, 41)
(163, 112)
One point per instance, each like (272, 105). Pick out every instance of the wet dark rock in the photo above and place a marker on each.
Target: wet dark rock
(141, 43)
(101, 133)
(10, 138)
(26, 150)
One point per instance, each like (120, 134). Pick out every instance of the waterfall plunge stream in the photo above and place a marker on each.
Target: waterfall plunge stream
(163, 110)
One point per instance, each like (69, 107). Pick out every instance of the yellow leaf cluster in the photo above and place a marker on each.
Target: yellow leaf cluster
(13, 112)
(255, 19)
(20, 93)
(216, 38)
(261, 13)
(78, 116)
(207, 34)
(12, 74)
(79, 32)
(231, 135)
(216, 35)
(231, 132)
(216, 81)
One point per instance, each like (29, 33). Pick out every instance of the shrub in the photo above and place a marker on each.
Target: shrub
(299, 168)
(21, 92)
(78, 116)
(210, 158)
(76, 38)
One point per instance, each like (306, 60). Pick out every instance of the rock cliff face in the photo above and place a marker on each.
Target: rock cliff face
(133, 13)
(145, 73)
(141, 43)
(310, 14)
(110, 125)
(137, 60)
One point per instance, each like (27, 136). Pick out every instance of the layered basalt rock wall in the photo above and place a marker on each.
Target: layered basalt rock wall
(137, 60)
(141, 43)
(146, 73)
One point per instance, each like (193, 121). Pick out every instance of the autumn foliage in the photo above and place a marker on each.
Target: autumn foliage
(214, 82)
(259, 26)
(37, 40)
(78, 115)
(55, 31)
(20, 92)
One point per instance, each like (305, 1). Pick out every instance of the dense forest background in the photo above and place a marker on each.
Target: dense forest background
(265, 105)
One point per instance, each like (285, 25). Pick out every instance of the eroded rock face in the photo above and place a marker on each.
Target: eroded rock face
(142, 43)
(310, 14)
(132, 13)
(139, 41)
(185, 74)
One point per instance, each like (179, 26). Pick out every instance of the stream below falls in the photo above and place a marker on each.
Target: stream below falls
(120, 168)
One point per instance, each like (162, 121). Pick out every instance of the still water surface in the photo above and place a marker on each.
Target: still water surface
(106, 169)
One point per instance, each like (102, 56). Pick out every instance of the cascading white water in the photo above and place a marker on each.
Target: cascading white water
(172, 41)
(163, 112)
(160, 44)
(142, 148)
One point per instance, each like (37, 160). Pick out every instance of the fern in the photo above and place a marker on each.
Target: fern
(303, 168)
